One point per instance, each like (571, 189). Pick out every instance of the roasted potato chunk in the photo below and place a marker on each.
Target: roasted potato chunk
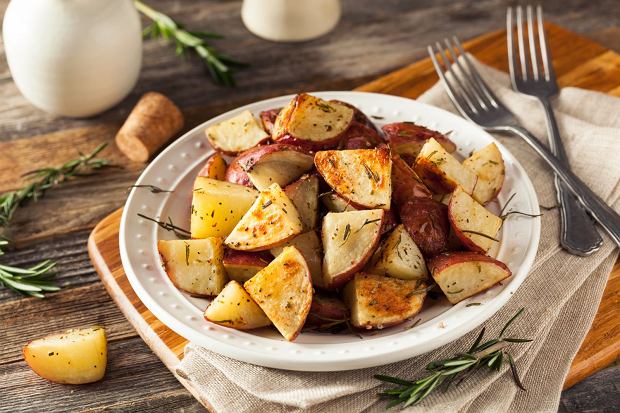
(236, 134)
(488, 164)
(233, 307)
(309, 245)
(283, 290)
(426, 221)
(400, 257)
(304, 194)
(376, 301)
(407, 139)
(243, 265)
(195, 265)
(442, 172)
(214, 168)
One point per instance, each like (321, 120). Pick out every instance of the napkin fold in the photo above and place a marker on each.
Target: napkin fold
(561, 294)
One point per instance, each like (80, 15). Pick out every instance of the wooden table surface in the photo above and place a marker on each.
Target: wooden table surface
(372, 38)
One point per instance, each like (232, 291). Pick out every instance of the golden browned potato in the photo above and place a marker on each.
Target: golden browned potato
(234, 307)
(442, 172)
(283, 290)
(463, 274)
(271, 221)
(75, 356)
(214, 168)
(243, 265)
(236, 134)
(472, 223)
(376, 301)
(217, 206)
(349, 240)
(309, 245)
(362, 176)
(194, 265)
(488, 164)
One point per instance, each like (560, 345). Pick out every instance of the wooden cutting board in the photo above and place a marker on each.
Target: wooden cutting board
(578, 62)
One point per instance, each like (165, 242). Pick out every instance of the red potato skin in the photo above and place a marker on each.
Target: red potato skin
(237, 175)
(360, 136)
(402, 133)
(426, 221)
(268, 118)
(433, 177)
(405, 183)
(446, 259)
(390, 221)
(460, 235)
(247, 258)
(324, 309)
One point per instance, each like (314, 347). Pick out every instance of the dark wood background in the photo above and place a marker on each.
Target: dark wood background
(373, 38)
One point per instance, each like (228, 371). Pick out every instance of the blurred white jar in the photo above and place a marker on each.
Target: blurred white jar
(290, 20)
(73, 58)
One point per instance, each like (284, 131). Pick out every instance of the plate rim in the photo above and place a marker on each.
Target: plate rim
(275, 360)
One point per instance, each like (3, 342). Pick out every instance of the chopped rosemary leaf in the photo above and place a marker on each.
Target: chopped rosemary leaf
(154, 189)
(168, 226)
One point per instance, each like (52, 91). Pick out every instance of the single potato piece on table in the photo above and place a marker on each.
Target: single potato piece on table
(243, 265)
(442, 172)
(217, 206)
(234, 307)
(304, 194)
(309, 245)
(408, 138)
(76, 356)
(214, 168)
(400, 257)
(361, 176)
(283, 290)
(488, 165)
(349, 241)
(194, 266)
(277, 163)
(463, 274)
(312, 123)
(271, 221)
(376, 301)
(426, 221)
(236, 134)
(472, 223)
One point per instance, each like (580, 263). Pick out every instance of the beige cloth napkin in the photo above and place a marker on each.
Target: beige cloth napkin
(561, 294)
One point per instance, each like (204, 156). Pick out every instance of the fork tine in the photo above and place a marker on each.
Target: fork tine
(468, 81)
(532, 41)
(545, 55)
(512, 58)
(464, 91)
(475, 76)
(521, 42)
(453, 94)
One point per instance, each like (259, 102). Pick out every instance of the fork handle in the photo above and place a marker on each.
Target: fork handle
(602, 213)
(578, 234)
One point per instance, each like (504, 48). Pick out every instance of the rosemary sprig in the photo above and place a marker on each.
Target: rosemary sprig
(168, 226)
(46, 178)
(36, 280)
(490, 354)
(220, 66)
(154, 189)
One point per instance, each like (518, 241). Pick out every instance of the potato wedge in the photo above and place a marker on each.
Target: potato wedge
(335, 203)
(426, 221)
(75, 356)
(360, 136)
(407, 139)
(399, 257)
(488, 164)
(195, 265)
(442, 172)
(309, 245)
(236, 174)
(236, 134)
(326, 310)
(406, 184)
(277, 163)
(214, 167)
(234, 307)
(473, 224)
(268, 119)
(304, 194)
(271, 221)
(362, 176)
(463, 274)
(312, 123)
(376, 301)
(217, 206)
(283, 290)
(243, 265)
(358, 115)
(349, 240)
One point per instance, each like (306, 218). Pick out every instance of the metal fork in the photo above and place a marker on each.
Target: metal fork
(476, 102)
(578, 234)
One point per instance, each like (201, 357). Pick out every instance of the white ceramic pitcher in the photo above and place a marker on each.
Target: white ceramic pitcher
(290, 20)
(73, 58)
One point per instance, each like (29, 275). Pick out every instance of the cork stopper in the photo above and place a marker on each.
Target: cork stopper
(153, 121)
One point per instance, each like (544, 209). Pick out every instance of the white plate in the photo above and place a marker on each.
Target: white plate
(440, 323)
